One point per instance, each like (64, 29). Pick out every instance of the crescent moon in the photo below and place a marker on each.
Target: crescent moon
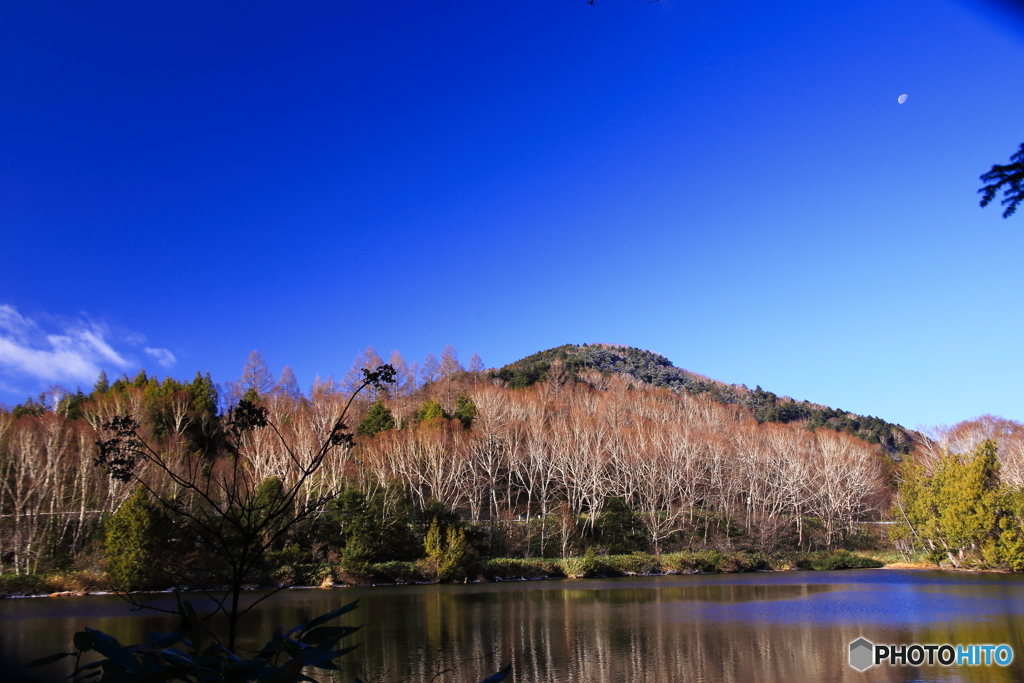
(901, 99)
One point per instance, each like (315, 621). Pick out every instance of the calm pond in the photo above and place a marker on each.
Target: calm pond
(764, 627)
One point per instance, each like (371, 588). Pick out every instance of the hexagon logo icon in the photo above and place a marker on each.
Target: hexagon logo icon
(861, 654)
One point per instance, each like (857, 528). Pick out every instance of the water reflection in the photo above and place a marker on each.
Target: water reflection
(754, 627)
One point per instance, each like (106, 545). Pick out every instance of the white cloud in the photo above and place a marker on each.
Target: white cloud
(12, 322)
(163, 356)
(77, 351)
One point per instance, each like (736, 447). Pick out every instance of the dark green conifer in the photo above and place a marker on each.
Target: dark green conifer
(130, 542)
(378, 419)
(465, 410)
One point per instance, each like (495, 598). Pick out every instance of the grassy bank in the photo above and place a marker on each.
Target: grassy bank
(636, 564)
(498, 569)
(75, 583)
(895, 559)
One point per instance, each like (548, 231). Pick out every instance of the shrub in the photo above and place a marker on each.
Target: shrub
(24, 584)
(84, 581)
(289, 566)
(743, 562)
(830, 560)
(396, 572)
(637, 564)
(510, 569)
(689, 561)
(841, 559)
(582, 567)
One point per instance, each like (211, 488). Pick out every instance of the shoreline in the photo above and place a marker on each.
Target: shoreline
(85, 583)
(86, 594)
(902, 566)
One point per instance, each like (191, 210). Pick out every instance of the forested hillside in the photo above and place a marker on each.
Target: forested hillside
(655, 370)
(578, 449)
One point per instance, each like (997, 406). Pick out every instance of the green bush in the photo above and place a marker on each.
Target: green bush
(510, 569)
(581, 567)
(831, 560)
(841, 559)
(82, 581)
(743, 562)
(24, 584)
(690, 561)
(289, 566)
(709, 561)
(301, 574)
(396, 572)
(637, 564)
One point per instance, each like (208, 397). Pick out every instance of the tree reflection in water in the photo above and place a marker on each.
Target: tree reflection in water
(765, 627)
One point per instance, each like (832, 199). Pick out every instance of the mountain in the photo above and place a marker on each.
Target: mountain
(655, 370)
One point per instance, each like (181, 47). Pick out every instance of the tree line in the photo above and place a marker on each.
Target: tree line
(450, 463)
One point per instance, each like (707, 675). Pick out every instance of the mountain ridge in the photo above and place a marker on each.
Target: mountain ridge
(653, 369)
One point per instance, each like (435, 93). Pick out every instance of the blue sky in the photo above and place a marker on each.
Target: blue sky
(734, 187)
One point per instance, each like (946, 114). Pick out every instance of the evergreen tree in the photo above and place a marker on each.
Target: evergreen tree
(378, 527)
(431, 410)
(377, 419)
(465, 410)
(433, 543)
(619, 529)
(130, 542)
(954, 512)
(102, 386)
(448, 549)
(458, 556)
(1010, 548)
(28, 408)
(120, 384)
(965, 501)
(71, 405)
(204, 395)
(271, 511)
(358, 556)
